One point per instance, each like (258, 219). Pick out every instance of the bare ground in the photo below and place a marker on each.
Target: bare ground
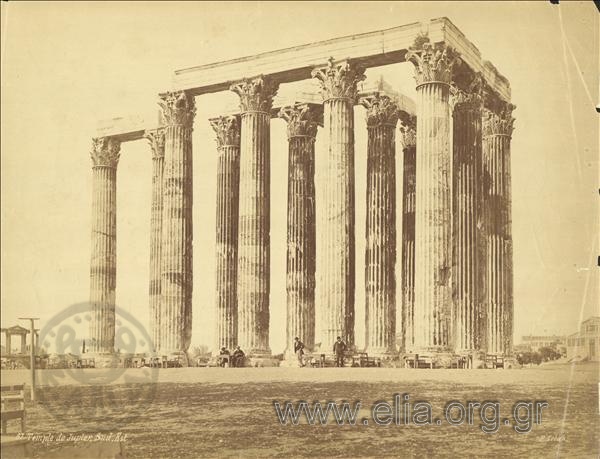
(214, 412)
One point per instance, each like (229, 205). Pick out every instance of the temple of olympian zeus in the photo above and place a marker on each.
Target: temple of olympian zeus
(456, 277)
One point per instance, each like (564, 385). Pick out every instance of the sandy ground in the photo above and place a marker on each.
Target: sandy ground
(210, 412)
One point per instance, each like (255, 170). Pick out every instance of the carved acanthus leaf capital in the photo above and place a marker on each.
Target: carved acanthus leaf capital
(408, 132)
(381, 110)
(339, 80)
(467, 95)
(156, 139)
(501, 123)
(433, 63)
(464, 100)
(178, 108)
(227, 129)
(256, 95)
(302, 119)
(105, 152)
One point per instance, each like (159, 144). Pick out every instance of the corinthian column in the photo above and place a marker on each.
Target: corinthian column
(178, 110)
(337, 264)
(409, 142)
(227, 129)
(433, 224)
(380, 257)
(497, 131)
(256, 98)
(302, 121)
(103, 271)
(467, 279)
(156, 138)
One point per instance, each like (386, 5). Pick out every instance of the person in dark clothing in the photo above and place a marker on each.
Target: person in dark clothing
(299, 350)
(339, 347)
(224, 357)
(237, 358)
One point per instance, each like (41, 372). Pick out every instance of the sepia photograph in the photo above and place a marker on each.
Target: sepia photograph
(300, 229)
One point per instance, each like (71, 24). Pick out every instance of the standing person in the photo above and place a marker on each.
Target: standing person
(299, 350)
(339, 347)
(224, 357)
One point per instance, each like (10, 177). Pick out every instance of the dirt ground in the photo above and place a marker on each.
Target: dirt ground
(215, 412)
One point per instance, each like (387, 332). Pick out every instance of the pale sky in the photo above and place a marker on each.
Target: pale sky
(65, 66)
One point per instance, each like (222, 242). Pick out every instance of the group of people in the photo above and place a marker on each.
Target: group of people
(235, 359)
(339, 349)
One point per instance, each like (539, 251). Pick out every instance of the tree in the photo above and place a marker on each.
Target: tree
(548, 353)
(199, 351)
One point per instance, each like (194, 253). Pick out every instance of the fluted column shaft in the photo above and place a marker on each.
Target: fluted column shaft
(157, 143)
(302, 123)
(497, 130)
(433, 218)
(228, 179)
(337, 246)
(103, 271)
(467, 205)
(408, 233)
(380, 254)
(253, 277)
(176, 246)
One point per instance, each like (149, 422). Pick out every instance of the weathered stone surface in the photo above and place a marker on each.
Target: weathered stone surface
(497, 131)
(227, 129)
(103, 270)
(372, 49)
(253, 282)
(380, 257)
(467, 235)
(178, 110)
(302, 121)
(433, 217)
(409, 145)
(336, 256)
(156, 139)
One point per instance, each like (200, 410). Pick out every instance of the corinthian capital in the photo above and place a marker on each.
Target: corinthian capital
(465, 100)
(381, 110)
(227, 129)
(433, 63)
(178, 108)
(501, 123)
(339, 80)
(105, 152)
(256, 95)
(156, 139)
(470, 96)
(408, 132)
(302, 119)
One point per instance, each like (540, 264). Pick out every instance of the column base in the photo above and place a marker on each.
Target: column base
(290, 359)
(259, 353)
(259, 362)
(472, 359)
(436, 357)
(382, 353)
(104, 359)
(174, 359)
(328, 349)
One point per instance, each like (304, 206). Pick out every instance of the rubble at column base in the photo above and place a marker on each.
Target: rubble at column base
(462, 360)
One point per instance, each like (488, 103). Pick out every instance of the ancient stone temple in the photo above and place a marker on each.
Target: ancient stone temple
(452, 250)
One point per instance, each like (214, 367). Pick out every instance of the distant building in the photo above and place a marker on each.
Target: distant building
(585, 344)
(535, 343)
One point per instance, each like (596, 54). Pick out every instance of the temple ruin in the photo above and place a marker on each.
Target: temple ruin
(456, 286)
